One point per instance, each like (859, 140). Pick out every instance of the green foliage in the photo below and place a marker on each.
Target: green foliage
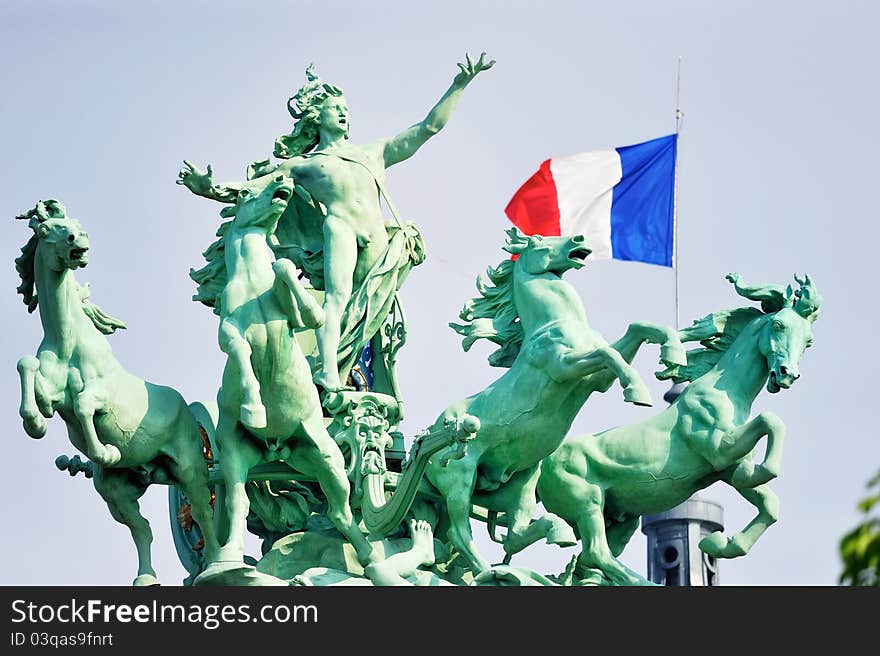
(860, 548)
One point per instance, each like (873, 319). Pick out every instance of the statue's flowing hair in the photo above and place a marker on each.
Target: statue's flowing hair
(305, 108)
(25, 266)
(493, 314)
(718, 331)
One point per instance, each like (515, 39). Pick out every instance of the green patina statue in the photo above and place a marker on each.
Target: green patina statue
(601, 484)
(135, 433)
(303, 447)
(269, 410)
(262, 303)
(335, 228)
(555, 361)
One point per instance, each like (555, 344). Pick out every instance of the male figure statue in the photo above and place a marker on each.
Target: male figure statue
(344, 183)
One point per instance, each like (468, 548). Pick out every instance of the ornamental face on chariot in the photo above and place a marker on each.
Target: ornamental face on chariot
(303, 445)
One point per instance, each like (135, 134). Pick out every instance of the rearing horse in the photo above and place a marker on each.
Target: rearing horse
(601, 484)
(556, 361)
(269, 407)
(136, 432)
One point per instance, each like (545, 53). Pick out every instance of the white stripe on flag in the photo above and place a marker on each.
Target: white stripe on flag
(584, 189)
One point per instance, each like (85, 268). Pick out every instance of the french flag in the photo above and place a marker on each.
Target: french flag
(621, 200)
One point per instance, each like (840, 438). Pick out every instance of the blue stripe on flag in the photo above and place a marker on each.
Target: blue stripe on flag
(641, 205)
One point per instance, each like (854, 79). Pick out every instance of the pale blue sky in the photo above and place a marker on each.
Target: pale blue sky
(102, 101)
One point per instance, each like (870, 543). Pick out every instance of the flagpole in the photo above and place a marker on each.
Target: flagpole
(678, 117)
(676, 388)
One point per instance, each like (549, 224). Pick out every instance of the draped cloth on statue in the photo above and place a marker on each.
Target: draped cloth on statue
(371, 303)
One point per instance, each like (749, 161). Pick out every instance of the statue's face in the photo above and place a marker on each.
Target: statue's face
(783, 340)
(68, 241)
(334, 115)
(554, 254)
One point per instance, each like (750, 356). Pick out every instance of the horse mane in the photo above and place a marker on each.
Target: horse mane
(100, 319)
(493, 316)
(24, 265)
(716, 333)
(212, 278)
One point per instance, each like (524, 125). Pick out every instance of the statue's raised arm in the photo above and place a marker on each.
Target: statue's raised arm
(201, 183)
(333, 226)
(404, 145)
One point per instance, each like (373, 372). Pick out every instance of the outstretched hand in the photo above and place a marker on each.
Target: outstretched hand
(470, 69)
(732, 277)
(197, 181)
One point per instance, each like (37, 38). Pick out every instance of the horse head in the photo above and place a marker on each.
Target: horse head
(61, 236)
(788, 333)
(61, 241)
(537, 254)
(261, 208)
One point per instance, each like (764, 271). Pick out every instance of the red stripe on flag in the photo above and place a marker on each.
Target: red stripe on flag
(534, 208)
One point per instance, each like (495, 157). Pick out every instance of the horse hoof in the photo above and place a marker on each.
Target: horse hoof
(108, 457)
(736, 548)
(713, 544)
(35, 428)
(253, 416)
(673, 354)
(332, 400)
(561, 535)
(145, 580)
(637, 395)
(719, 545)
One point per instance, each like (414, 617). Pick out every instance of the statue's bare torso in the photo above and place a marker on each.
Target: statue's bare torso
(349, 192)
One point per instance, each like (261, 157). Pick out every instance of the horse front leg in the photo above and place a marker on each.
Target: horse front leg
(604, 357)
(85, 404)
(735, 447)
(301, 307)
(236, 347)
(672, 351)
(34, 422)
(767, 503)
